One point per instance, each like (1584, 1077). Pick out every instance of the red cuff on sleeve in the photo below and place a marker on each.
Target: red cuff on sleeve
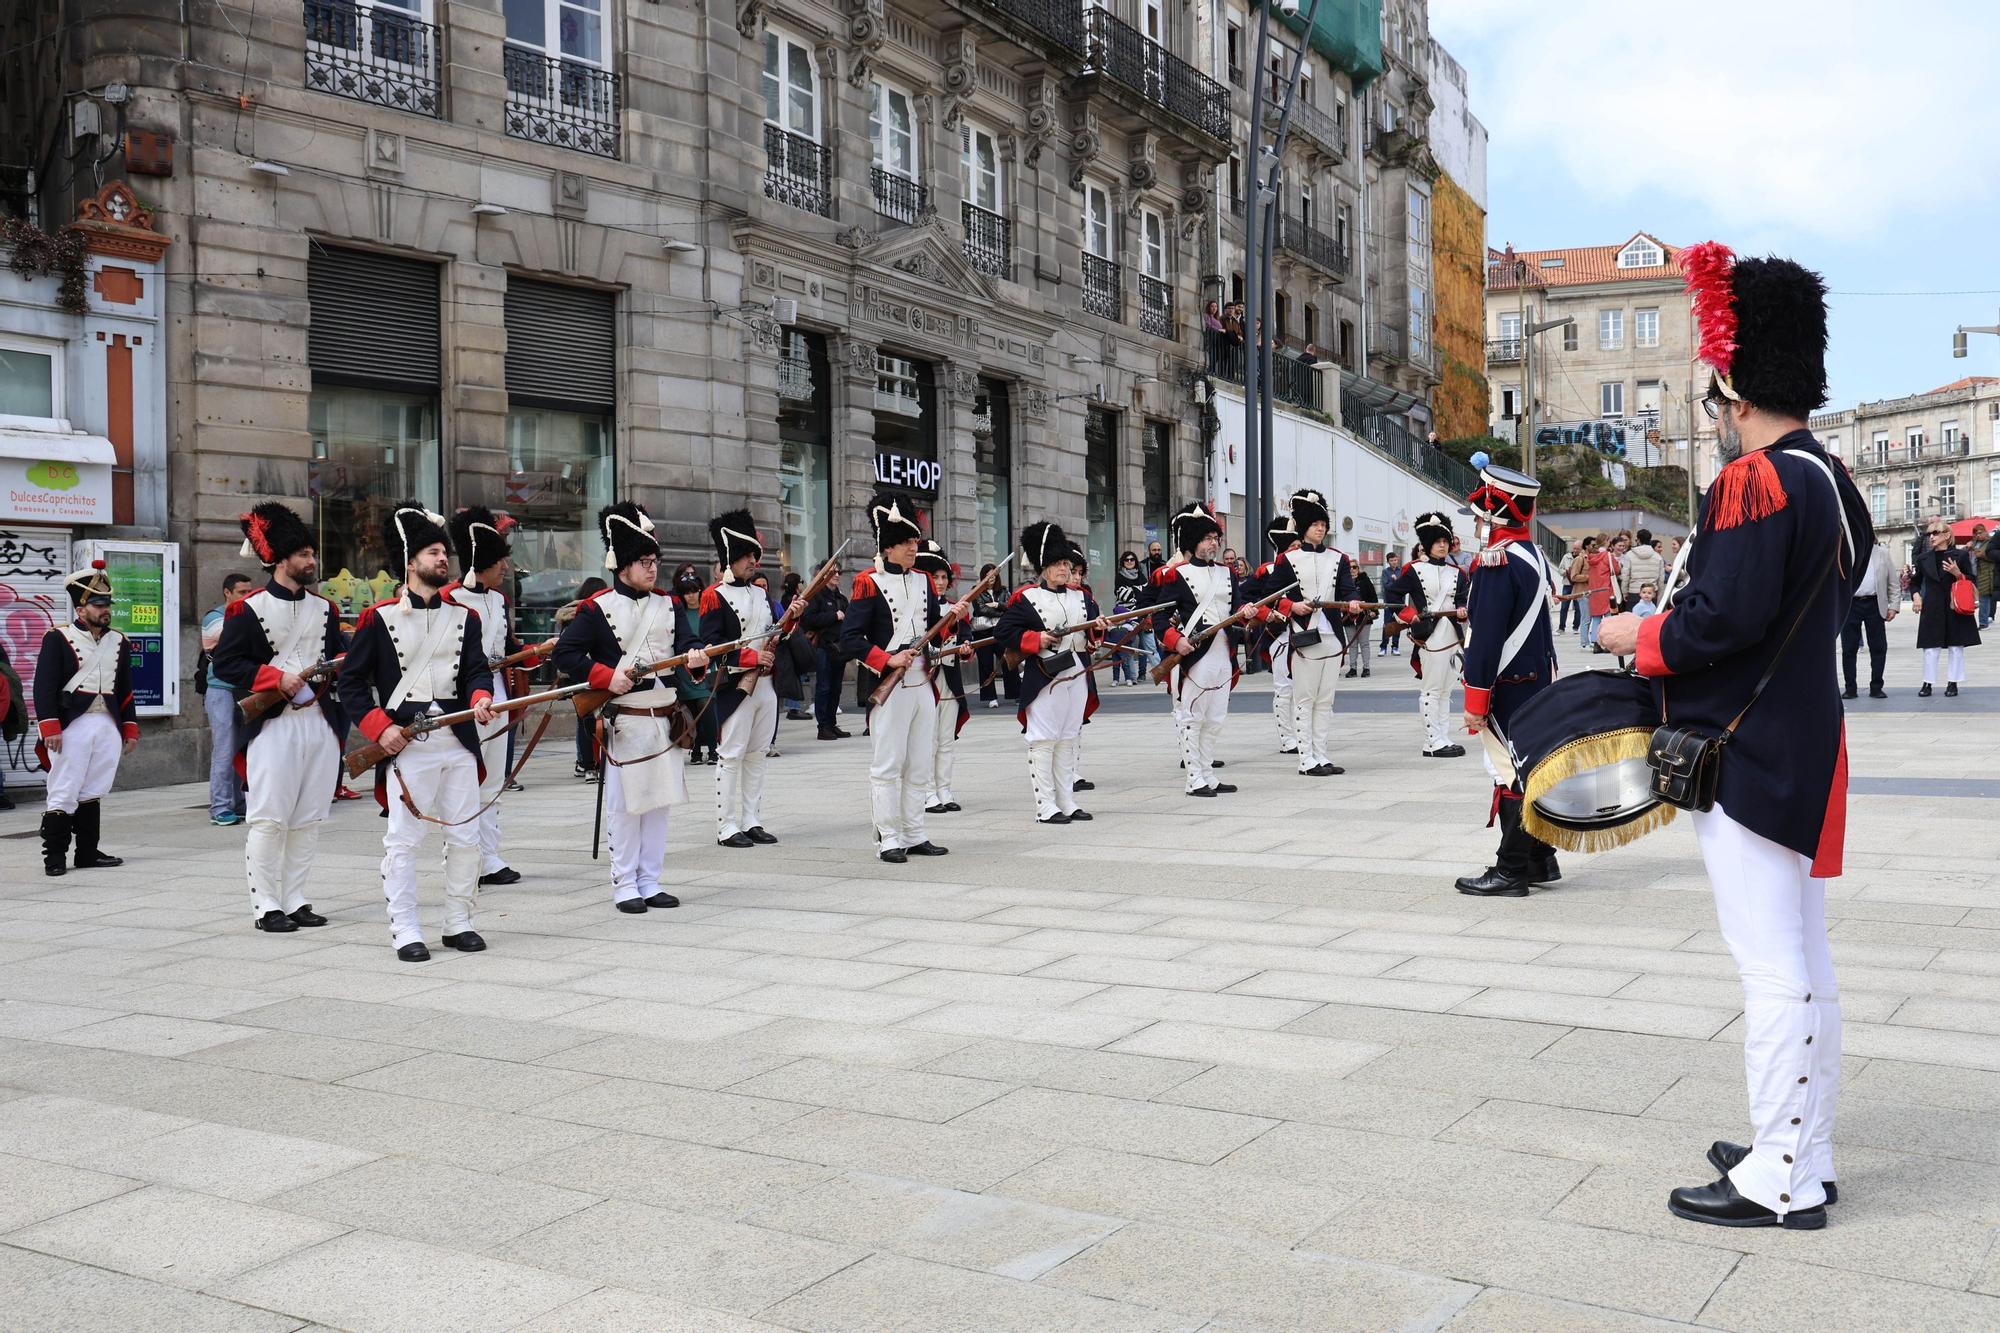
(479, 697)
(1031, 641)
(1478, 702)
(1172, 640)
(877, 660)
(1647, 660)
(267, 678)
(1407, 615)
(131, 731)
(746, 658)
(600, 676)
(50, 728)
(377, 722)
(1287, 607)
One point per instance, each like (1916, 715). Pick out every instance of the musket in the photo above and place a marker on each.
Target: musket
(922, 646)
(589, 701)
(793, 613)
(542, 649)
(1200, 641)
(259, 702)
(1111, 650)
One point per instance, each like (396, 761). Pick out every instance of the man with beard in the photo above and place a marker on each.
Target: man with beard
(483, 554)
(87, 721)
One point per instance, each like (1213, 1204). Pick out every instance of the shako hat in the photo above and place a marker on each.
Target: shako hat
(88, 583)
(931, 559)
(627, 533)
(1433, 525)
(411, 528)
(1042, 544)
(1505, 495)
(1761, 326)
(1281, 532)
(1191, 525)
(479, 538)
(735, 536)
(1309, 507)
(892, 523)
(271, 532)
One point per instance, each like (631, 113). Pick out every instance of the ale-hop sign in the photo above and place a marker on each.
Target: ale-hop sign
(912, 474)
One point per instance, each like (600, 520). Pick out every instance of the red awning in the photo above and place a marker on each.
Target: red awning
(1962, 529)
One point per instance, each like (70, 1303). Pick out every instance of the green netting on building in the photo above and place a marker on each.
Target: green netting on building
(1346, 32)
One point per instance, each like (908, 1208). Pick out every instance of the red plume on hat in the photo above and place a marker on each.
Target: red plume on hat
(1710, 268)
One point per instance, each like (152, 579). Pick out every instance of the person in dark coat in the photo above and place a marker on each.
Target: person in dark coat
(692, 692)
(822, 624)
(992, 663)
(1780, 547)
(1942, 632)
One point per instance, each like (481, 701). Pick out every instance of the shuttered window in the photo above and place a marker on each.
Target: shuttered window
(562, 345)
(375, 319)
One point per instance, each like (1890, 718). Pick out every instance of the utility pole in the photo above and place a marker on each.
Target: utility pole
(1529, 332)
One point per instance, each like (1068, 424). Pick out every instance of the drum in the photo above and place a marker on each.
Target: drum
(1579, 747)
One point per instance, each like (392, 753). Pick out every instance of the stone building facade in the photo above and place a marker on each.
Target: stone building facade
(1923, 456)
(1459, 403)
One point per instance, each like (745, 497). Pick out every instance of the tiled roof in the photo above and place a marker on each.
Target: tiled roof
(1578, 266)
(1969, 382)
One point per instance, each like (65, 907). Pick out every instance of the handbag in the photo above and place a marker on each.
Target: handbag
(1684, 764)
(1964, 596)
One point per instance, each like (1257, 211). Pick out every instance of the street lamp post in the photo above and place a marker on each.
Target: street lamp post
(1529, 332)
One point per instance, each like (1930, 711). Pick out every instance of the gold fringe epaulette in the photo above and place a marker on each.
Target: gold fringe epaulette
(1580, 756)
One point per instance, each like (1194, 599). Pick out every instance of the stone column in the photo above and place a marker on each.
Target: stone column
(852, 366)
(956, 522)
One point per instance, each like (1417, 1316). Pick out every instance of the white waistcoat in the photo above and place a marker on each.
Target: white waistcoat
(300, 623)
(409, 627)
(492, 608)
(752, 607)
(1058, 609)
(625, 616)
(102, 677)
(1439, 583)
(908, 596)
(1210, 585)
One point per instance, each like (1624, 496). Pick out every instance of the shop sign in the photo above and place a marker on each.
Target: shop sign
(33, 564)
(145, 608)
(914, 474)
(47, 490)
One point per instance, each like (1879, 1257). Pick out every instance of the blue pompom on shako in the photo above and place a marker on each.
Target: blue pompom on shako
(1579, 747)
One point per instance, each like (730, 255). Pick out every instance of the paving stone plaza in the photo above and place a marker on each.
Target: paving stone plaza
(1251, 1065)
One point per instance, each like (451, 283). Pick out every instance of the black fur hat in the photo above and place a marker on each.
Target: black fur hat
(479, 538)
(1042, 544)
(410, 528)
(1194, 522)
(734, 534)
(931, 559)
(892, 523)
(1281, 532)
(1309, 507)
(1762, 326)
(272, 531)
(627, 534)
(1432, 525)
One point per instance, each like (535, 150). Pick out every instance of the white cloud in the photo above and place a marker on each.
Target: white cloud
(1826, 117)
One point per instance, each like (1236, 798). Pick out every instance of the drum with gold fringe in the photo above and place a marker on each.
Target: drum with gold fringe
(1579, 747)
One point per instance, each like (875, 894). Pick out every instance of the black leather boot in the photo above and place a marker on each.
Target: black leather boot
(1513, 865)
(56, 826)
(88, 818)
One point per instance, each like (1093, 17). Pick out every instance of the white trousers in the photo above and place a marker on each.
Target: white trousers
(1442, 670)
(944, 751)
(638, 842)
(493, 751)
(85, 767)
(442, 778)
(744, 752)
(1199, 710)
(1954, 668)
(1773, 917)
(1055, 735)
(1281, 695)
(1315, 680)
(903, 730)
(289, 772)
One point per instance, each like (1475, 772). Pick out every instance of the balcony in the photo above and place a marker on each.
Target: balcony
(1320, 129)
(988, 242)
(1163, 81)
(797, 171)
(1392, 343)
(563, 102)
(795, 377)
(1156, 307)
(898, 197)
(1293, 380)
(1502, 351)
(1901, 455)
(1043, 23)
(1103, 288)
(372, 54)
(1312, 245)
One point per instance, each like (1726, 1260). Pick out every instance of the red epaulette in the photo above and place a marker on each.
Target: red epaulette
(864, 585)
(1746, 490)
(235, 606)
(601, 592)
(450, 588)
(1018, 593)
(711, 598)
(369, 614)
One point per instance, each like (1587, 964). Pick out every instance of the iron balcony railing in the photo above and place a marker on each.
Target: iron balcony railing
(1156, 307)
(1103, 288)
(988, 242)
(898, 196)
(795, 377)
(1126, 56)
(554, 100)
(1293, 380)
(372, 53)
(1502, 351)
(797, 171)
(1057, 21)
(1393, 342)
(1312, 245)
(1322, 128)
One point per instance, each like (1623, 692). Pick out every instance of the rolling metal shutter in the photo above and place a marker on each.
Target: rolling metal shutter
(375, 318)
(562, 345)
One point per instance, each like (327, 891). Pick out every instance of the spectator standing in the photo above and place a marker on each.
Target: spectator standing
(694, 693)
(1986, 560)
(225, 786)
(797, 651)
(1363, 641)
(1873, 607)
(1211, 317)
(586, 748)
(1458, 555)
(822, 622)
(1597, 578)
(1942, 630)
(1566, 577)
(1641, 565)
(1129, 594)
(994, 678)
(1156, 560)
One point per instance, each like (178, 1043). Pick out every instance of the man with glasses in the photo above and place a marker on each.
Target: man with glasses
(83, 700)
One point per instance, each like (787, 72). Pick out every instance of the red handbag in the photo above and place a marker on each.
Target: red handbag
(1964, 597)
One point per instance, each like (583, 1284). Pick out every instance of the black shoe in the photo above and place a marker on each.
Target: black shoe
(632, 905)
(1350, 673)
(1492, 884)
(504, 875)
(1366, 672)
(1080, 816)
(1950, 692)
(953, 806)
(939, 809)
(1850, 693)
(1546, 871)
(466, 941)
(1083, 784)
(929, 848)
(797, 715)
(830, 734)
(579, 771)
(305, 916)
(737, 839)
(895, 856)
(414, 953)
(5, 804)
(1724, 1156)
(1223, 787)
(663, 900)
(513, 786)
(1328, 771)
(1057, 818)
(1877, 692)
(758, 834)
(1925, 692)
(1720, 1205)
(88, 818)
(1215, 763)
(1445, 752)
(1203, 791)
(1288, 749)
(276, 922)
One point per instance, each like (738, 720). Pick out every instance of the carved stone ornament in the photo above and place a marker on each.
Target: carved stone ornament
(385, 152)
(1197, 184)
(749, 16)
(1143, 164)
(115, 223)
(960, 75)
(572, 194)
(763, 274)
(920, 265)
(860, 356)
(1035, 403)
(965, 383)
(865, 35)
(853, 238)
(1044, 119)
(1086, 141)
(765, 331)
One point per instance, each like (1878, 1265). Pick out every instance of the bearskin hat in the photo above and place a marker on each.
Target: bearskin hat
(1042, 544)
(88, 583)
(1191, 525)
(1309, 507)
(271, 532)
(931, 559)
(893, 524)
(1079, 558)
(479, 538)
(1432, 525)
(627, 534)
(734, 535)
(1505, 495)
(410, 528)
(1762, 327)
(1281, 532)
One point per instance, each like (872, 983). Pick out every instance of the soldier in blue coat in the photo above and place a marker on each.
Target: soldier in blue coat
(1510, 656)
(1780, 547)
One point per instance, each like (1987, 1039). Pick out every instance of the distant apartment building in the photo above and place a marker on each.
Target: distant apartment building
(1459, 404)
(1924, 456)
